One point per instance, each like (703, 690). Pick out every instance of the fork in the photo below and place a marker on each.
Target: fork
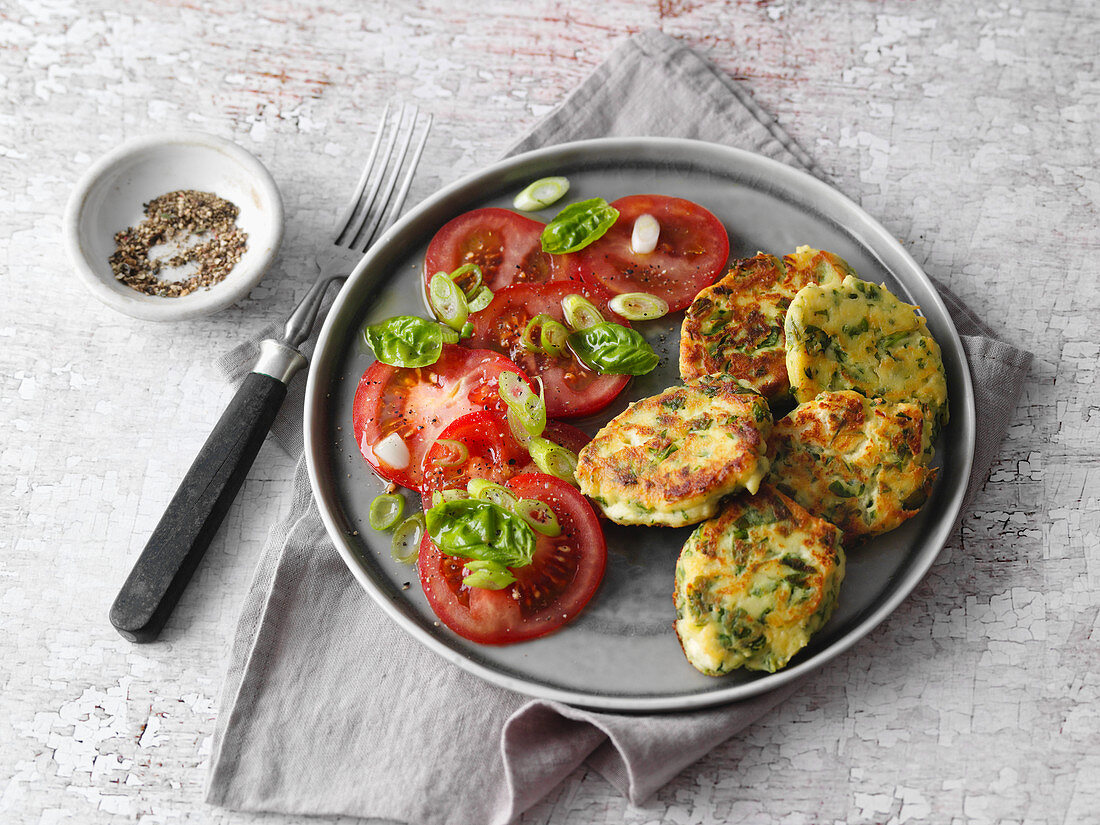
(195, 512)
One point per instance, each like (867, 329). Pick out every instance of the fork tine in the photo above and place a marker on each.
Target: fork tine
(363, 236)
(398, 200)
(365, 206)
(349, 212)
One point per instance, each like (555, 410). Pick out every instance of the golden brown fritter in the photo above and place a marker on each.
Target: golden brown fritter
(755, 583)
(736, 325)
(859, 336)
(856, 462)
(668, 459)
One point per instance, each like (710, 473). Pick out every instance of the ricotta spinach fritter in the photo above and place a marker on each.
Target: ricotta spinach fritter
(858, 336)
(736, 325)
(755, 583)
(670, 458)
(858, 463)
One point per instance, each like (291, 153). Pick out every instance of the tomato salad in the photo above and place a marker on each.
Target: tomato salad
(530, 323)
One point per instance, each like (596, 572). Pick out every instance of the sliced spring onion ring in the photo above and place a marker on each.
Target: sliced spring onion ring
(528, 409)
(480, 299)
(441, 496)
(638, 306)
(531, 337)
(643, 239)
(488, 491)
(468, 278)
(385, 511)
(580, 313)
(553, 459)
(406, 539)
(448, 301)
(488, 575)
(539, 515)
(455, 453)
(553, 337)
(449, 335)
(541, 194)
(519, 431)
(513, 388)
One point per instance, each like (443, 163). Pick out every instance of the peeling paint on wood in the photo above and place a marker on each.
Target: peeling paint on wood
(968, 129)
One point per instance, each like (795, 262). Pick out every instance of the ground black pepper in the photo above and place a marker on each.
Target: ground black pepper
(202, 230)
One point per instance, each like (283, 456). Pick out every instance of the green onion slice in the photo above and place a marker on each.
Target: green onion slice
(519, 431)
(553, 459)
(531, 337)
(481, 488)
(539, 515)
(580, 313)
(528, 409)
(638, 306)
(385, 511)
(488, 575)
(441, 496)
(468, 278)
(406, 539)
(448, 301)
(454, 453)
(541, 194)
(480, 299)
(553, 337)
(449, 335)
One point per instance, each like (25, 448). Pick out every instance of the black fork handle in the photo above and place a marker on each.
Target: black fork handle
(192, 518)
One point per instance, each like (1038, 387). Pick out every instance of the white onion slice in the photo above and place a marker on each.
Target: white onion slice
(643, 239)
(393, 452)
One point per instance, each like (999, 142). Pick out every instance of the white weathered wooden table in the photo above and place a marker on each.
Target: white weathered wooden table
(969, 128)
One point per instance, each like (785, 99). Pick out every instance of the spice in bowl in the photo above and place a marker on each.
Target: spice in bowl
(201, 238)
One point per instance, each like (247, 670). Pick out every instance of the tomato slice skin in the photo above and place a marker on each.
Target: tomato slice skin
(572, 389)
(418, 404)
(494, 454)
(692, 251)
(548, 593)
(506, 246)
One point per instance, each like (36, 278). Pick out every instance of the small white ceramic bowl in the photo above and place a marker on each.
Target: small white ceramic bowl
(112, 194)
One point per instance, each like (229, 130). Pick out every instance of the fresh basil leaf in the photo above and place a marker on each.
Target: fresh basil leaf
(612, 349)
(477, 529)
(405, 341)
(578, 225)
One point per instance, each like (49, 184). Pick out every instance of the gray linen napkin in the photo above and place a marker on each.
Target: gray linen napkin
(330, 708)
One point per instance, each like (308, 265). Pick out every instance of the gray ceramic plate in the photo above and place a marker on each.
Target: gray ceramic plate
(622, 653)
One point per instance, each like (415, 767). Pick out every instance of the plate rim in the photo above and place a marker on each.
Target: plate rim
(679, 149)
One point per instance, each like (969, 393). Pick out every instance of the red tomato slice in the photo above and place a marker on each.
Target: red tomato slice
(572, 389)
(418, 404)
(692, 251)
(505, 245)
(549, 592)
(494, 453)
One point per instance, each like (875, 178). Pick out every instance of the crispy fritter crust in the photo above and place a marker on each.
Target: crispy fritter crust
(859, 336)
(736, 325)
(856, 462)
(755, 583)
(668, 459)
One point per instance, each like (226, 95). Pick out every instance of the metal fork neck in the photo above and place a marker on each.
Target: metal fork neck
(300, 323)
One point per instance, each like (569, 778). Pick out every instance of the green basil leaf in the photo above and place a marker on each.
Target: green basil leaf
(477, 529)
(578, 225)
(612, 349)
(405, 341)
